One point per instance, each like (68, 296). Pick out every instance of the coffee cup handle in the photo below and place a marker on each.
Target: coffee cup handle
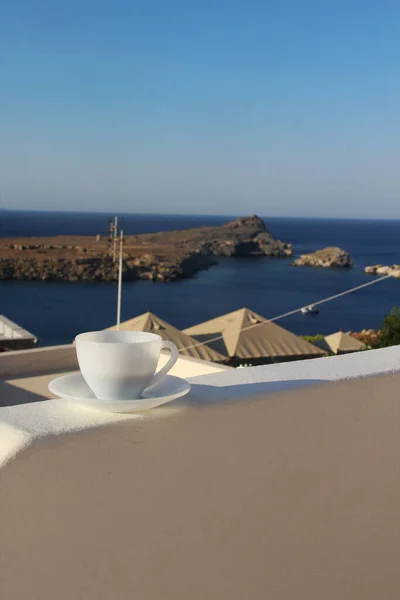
(166, 368)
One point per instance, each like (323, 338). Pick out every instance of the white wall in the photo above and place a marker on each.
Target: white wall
(23, 423)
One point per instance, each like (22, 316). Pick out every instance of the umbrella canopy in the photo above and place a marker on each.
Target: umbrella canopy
(153, 324)
(340, 343)
(247, 335)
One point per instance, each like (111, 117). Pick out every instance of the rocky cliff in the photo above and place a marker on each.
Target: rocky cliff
(164, 256)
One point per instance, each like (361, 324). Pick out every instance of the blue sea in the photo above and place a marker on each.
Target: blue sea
(57, 311)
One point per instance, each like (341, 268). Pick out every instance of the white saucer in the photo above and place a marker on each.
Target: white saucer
(73, 387)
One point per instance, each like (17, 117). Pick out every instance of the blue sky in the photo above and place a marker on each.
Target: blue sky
(211, 106)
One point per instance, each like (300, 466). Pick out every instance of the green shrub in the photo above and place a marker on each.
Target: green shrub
(313, 338)
(389, 330)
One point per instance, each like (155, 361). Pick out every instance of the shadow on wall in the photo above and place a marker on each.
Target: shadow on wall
(200, 395)
(11, 395)
(203, 395)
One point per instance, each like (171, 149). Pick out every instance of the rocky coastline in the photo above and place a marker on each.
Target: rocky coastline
(393, 270)
(164, 256)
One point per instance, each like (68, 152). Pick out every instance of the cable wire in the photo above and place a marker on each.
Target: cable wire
(287, 314)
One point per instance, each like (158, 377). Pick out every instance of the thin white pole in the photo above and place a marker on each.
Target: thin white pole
(121, 242)
(115, 233)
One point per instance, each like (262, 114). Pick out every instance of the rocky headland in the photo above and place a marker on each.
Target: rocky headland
(328, 258)
(164, 256)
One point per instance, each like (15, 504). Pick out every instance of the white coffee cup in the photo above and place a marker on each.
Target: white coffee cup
(119, 365)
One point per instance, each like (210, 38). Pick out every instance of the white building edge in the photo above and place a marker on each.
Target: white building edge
(14, 337)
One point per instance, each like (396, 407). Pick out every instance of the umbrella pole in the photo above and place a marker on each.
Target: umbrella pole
(120, 280)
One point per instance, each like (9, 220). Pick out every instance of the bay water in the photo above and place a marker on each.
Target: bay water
(56, 311)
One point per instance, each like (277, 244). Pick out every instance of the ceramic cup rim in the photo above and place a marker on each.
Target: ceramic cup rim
(85, 338)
